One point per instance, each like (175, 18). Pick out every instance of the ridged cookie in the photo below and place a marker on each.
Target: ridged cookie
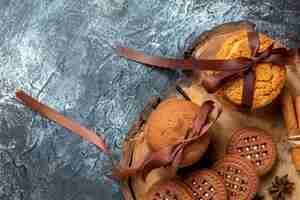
(270, 79)
(206, 184)
(256, 145)
(240, 177)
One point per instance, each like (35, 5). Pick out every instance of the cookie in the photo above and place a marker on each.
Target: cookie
(240, 177)
(270, 79)
(171, 190)
(256, 145)
(170, 123)
(206, 185)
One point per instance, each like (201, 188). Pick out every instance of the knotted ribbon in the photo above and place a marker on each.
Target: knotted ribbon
(229, 69)
(173, 154)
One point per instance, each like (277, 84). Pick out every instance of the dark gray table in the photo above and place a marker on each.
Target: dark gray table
(60, 51)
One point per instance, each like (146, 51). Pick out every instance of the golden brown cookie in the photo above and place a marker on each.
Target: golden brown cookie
(256, 145)
(171, 190)
(270, 79)
(206, 184)
(171, 122)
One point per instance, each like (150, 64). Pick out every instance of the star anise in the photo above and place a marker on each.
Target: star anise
(281, 187)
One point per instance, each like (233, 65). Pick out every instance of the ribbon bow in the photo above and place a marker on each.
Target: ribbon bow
(173, 154)
(246, 68)
(227, 69)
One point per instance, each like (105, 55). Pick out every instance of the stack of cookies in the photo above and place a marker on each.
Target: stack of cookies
(170, 123)
(270, 79)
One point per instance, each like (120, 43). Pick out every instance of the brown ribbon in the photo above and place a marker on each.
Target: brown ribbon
(62, 120)
(228, 69)
(173, 154)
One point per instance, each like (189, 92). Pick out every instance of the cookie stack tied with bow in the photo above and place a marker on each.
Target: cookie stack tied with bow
(175, 135)
(246, 67)
(257, 87)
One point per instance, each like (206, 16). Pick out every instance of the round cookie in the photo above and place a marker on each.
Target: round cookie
(270, 79)
(171, 122)
(206, 184)
(240, 177)
(256, 145)
(171, 190)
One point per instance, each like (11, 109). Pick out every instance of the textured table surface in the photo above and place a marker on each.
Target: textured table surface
(61, 52)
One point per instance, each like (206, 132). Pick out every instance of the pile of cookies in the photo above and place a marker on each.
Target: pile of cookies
(169, 123)
(270, 79)
(251, 153)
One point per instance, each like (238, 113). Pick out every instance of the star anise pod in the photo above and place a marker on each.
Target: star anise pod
(281, 187)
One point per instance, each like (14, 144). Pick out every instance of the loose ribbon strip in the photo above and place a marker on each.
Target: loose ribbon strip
(173, 154)
(62, 120)
(228, 69)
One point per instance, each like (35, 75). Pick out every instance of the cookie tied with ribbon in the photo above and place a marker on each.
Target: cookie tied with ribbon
(225, 70)
(171, 122)
(179, 151)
